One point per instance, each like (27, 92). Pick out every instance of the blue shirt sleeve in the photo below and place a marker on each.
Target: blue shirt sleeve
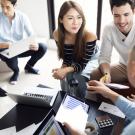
(28, 26)
(130, 129)
(126, 106)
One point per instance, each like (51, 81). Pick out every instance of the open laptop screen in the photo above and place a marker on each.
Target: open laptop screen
(50, 126)
(35, 96)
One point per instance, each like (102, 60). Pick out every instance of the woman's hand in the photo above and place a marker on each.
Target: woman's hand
(59, 73)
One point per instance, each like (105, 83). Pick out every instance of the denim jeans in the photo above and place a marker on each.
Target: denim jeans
(74, 90)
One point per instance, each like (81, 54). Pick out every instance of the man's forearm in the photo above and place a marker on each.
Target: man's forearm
(105, 68)
(113, 96)
(4, 45)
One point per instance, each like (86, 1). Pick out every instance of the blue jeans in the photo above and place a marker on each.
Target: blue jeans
(74, 90)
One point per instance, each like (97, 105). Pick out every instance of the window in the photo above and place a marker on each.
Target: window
(106, 14)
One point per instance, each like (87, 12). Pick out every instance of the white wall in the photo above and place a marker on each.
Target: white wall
(38, 14)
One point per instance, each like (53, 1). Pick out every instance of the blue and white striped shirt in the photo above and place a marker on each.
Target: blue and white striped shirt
(69, 59)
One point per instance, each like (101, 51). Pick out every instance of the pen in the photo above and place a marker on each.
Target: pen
(105, 77)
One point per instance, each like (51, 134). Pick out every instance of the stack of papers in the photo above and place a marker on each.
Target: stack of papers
(116, 86)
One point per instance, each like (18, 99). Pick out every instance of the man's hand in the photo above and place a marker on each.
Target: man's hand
(106, 78)
(98, 87)
(72, 130)
(34, 46)
(5, 45)
(132, 98)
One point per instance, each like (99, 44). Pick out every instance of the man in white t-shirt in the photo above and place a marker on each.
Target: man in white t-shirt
(125, 105)
(120, 34)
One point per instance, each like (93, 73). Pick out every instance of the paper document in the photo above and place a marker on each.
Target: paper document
(71, 102)
(8, 131)
(28, 130)
(74, 112)
(109, 108)
(116, 86)
(18, 47)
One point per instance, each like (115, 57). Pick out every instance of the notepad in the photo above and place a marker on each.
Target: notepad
(18, 47)
(72, 111)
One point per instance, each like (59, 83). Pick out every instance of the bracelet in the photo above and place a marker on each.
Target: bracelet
(106, 73)
(106, 76)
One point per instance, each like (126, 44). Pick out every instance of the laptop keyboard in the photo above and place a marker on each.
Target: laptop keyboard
(47, 98)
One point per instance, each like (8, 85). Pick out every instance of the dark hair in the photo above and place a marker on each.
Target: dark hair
(13, 2)
(79, 43)
(119, 3)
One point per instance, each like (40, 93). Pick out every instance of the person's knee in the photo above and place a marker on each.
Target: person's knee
(95, 74)
(13, 64)
(42, 48)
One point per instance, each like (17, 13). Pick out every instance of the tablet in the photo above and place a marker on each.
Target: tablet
(50, 126)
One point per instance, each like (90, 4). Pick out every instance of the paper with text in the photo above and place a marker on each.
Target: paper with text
(73, 112)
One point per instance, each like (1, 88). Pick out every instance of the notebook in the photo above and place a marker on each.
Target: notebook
(72, 110)
(50, 126)
(17, 48)
(35, 96)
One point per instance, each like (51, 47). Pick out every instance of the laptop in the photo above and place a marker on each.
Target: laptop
(17, 48)
(50, 126)
(35, 96)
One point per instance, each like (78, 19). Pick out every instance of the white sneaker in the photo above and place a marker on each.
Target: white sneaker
(13, 82)
(13, 79)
